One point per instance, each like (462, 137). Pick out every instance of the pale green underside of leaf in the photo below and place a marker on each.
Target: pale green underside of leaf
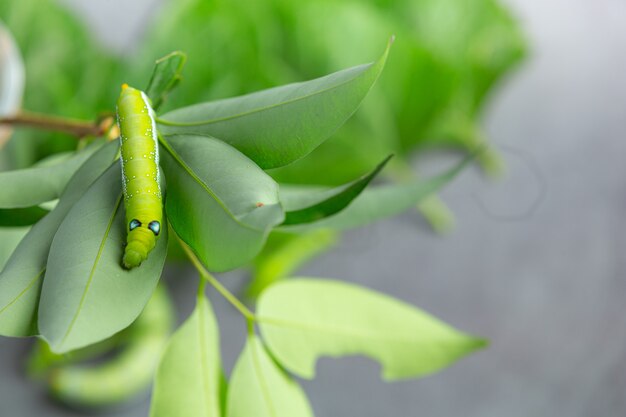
(259, 388)
(277, 126)
(188, 382)
(304, 319)
(374, 203)
(220, 203)
(87, 295)
(31, 186)
(20, 280)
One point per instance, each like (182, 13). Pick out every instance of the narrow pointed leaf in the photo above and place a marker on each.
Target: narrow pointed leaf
(259, 388)
(378, 202)
(219, 202)
(306, 208)
(165, 77)
(36, 185)
(278, 126)
(188, 380)
(87, 295)
(20, 280)
(21, 216)
(302, 320)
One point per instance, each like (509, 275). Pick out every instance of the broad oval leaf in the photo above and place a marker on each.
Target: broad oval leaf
(20, 280)
(259, 388)
(11, 80)
(277, 126)
(165, 77)
(309, 207)
(379, 202)
(31, 186)
(125, 374)
(188, 380)
(304, 319)
(219, 202)
(87, 295)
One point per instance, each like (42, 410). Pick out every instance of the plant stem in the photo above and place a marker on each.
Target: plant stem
(249, 315)
(74, 127)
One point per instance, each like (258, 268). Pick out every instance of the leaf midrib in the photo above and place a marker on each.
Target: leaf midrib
(259, 372)
(277, 322)
(204, 361)
(264, 108)
(24, 291)
(93, 269)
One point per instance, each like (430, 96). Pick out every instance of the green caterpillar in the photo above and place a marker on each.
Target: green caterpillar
(140, 174)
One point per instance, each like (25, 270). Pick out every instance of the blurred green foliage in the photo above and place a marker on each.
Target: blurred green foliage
(447, 57)
(67, 73)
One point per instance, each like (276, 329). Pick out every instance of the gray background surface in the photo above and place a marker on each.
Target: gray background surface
(546, 286)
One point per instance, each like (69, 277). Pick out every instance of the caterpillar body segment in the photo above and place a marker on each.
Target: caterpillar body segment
(140, 174)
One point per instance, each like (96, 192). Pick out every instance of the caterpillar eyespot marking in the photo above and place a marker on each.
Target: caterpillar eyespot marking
(134, 223)
(155, 227)
(140, 174)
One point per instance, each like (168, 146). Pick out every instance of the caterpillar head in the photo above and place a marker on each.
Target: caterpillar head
(141, 240)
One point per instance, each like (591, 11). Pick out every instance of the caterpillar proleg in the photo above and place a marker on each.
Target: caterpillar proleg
(140, 174)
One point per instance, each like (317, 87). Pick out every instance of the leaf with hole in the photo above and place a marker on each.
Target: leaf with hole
(219, 202)
(304, 319)
(87, 295)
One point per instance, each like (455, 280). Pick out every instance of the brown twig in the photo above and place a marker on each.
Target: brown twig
(78, 128)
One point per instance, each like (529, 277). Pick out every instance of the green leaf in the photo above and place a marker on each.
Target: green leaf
(87, 295)
(188, 380)
(31, 186)
(376, 203)
(20, 280)
(259, 388)
(165, 77)
(220, 203)
(304, 319)
(126, 373)
(277, 126)
(21, 216)
(305, 208)
(10, 237)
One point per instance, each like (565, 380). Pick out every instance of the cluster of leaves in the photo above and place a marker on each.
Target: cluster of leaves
(449, 54)
(64, 282)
